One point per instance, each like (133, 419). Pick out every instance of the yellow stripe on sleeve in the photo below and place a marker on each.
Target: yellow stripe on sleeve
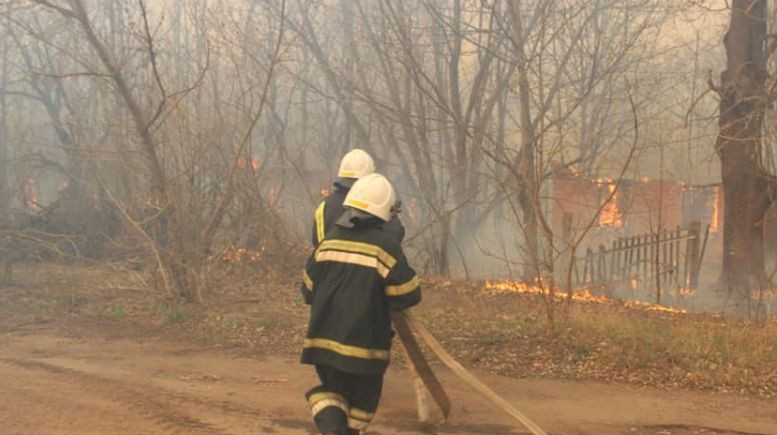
(320, 222)
(403, 289)
(306, 279)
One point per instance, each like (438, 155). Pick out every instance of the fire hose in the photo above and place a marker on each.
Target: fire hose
(403, 322)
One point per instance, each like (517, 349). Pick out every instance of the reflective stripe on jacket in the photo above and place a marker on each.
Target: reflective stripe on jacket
(352, 280)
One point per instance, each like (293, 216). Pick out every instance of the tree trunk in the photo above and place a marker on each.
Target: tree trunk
(4, 123)
(745, 183)
(528, 186)
(180, 283)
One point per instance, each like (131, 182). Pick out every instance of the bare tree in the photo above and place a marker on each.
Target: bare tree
(183, 119)
(749, 189)
(179, 248)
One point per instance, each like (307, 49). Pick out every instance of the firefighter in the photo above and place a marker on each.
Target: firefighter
(356, 276)
(354, 165)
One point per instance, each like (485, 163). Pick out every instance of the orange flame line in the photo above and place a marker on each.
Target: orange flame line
(581, 295)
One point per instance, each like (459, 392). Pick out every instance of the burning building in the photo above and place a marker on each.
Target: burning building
(628, 207)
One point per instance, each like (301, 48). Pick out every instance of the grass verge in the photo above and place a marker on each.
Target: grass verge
(259, 311)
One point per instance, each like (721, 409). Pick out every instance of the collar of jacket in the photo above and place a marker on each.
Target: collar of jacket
(344, 184)
(353, 219)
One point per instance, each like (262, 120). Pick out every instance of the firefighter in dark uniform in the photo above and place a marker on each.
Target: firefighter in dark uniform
(353, 280)
(354, 165)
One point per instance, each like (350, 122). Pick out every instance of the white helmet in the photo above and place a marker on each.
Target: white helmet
(372, 194)
(356, 164)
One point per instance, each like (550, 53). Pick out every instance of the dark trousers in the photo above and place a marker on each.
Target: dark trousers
(344, 403)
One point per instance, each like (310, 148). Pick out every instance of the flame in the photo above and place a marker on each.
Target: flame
(610, 215)
(243, 255)
(243, 163)
(581, 295)
(715, 211)
(325, 191)
(653, 307)
(687, 292)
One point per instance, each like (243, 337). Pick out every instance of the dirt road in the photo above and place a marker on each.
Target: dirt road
(56, 382)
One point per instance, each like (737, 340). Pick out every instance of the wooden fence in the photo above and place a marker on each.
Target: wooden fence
(661, 260)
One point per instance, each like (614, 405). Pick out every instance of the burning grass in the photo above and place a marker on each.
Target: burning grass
(596, 338)
(498, 328)
(578, 295)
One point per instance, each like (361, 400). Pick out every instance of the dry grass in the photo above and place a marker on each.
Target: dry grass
(258, 309)
(506, 334)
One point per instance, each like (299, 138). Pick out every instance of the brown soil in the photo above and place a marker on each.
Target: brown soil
(64, 370)
(99, 381)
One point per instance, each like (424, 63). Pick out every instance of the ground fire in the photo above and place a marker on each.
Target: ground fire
(358, 217)
(580, 294)
(243, 255)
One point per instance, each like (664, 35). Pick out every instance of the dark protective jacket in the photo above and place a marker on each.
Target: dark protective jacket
(331, 208)
(352, 281)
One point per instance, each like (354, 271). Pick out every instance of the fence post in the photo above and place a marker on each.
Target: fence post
(613, 274)
(603, 267)
(692, 254)
(653, 262)
(625, 258)
(566, 243)
(646, 255)
(665, 263)
(678, 234)
(638, 254)
(632, 241)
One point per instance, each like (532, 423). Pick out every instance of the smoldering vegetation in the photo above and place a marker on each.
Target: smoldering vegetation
(173, 136)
